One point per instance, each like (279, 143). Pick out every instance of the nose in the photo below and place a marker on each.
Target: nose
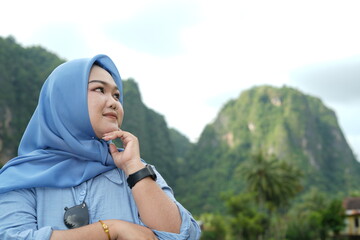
(112, 102)
(113, 106)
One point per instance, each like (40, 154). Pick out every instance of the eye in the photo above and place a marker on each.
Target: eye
(99, 89)
(117, 96)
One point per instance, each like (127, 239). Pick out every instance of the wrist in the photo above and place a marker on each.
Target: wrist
(145, 172)
(133, 167)
(112, 228)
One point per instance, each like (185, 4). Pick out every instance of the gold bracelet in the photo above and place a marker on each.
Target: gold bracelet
(106, 229)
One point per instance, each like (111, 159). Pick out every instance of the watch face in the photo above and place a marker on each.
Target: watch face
(151, 170)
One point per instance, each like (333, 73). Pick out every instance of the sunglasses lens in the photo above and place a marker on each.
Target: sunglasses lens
(76, 216)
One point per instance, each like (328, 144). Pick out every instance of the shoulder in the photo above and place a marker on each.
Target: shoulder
(115, 176)
(19, 194)
(18, 199)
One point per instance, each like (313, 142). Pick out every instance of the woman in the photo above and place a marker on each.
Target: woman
(69, 180)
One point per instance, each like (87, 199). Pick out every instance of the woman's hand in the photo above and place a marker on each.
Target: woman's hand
(157, 210)
(118, 229)
(129, 159)
(129, 231)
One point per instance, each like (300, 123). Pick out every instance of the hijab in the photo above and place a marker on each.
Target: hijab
(59, 147)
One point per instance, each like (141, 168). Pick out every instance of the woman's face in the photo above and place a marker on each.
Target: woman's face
(105, 110)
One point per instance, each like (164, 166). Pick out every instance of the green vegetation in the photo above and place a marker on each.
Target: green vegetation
(244, 219)
(151, 130)
(22, 72)
(295, 128)
(263, 210)
(274, 163)
(274, 182)
(315, 217)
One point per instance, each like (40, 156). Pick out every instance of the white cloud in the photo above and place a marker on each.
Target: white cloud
(222, 48)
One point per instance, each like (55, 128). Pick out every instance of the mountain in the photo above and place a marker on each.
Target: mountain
(181, 143)
(22, 72)
(284, 122)
(156, 144)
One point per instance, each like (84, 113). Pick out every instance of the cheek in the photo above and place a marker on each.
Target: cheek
(120, 114)
(93, 105)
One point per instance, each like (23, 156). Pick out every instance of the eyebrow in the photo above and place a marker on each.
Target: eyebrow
(102, 82)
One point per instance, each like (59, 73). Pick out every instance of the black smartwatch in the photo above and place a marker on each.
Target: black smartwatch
(147, 171)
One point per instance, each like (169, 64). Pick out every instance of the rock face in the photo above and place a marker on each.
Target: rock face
(294, 127)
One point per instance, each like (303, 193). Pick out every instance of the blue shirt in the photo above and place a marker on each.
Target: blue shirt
(35, 212)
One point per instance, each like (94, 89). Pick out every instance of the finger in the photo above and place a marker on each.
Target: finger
(113, 135)
(113, 148)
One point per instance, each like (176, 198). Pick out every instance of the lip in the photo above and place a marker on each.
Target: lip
(110, 115)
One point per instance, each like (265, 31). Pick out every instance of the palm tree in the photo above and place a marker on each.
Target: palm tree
(274, 181)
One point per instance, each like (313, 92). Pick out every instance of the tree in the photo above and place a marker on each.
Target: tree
(274, 181)
(333, 216)
(315, 217)
(214, 227)
(246, 221)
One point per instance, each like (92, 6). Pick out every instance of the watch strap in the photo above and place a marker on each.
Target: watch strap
(147, 171)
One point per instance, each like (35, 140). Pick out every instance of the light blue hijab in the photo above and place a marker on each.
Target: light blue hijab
(59, 147)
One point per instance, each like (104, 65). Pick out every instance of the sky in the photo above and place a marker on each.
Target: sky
(190, 57)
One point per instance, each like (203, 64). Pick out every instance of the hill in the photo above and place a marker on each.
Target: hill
(284, 122)
(22, 73)
(157, 141)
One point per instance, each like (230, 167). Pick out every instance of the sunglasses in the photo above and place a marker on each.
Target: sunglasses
(76, 216)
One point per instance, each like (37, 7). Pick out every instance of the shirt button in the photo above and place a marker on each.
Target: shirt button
(82, 192)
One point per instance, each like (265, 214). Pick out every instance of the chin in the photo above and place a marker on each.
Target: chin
(111, 129)
(100, 132)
